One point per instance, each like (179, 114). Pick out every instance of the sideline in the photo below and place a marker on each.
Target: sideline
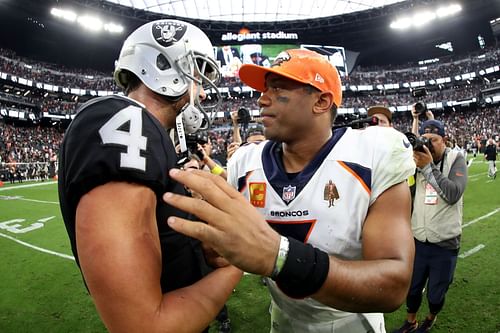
(62, 255)
(27, 185)
(65, 256)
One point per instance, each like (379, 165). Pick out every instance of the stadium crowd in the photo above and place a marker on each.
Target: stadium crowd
(63, 104)
(468, 128)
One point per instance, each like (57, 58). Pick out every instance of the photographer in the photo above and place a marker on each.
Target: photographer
(383, 115)
(204, 152)
(436, 221)
(418, 109)
(254, 133)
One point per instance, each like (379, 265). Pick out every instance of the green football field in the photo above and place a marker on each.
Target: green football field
(42, 290)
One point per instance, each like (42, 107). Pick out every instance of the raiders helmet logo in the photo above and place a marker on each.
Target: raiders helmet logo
(280, 58)
(168, 32)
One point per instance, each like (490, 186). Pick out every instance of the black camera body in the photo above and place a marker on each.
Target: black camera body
(244, 116)
(420, 107)
(192, 141)
(418, 142)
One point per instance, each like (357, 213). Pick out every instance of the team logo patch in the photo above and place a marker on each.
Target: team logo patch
(330, 193)
(168, 32)
(257, 194)
(288, 193)
(319, 78)
(280, 58)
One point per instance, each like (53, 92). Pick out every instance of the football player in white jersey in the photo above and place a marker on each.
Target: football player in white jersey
(324, 214)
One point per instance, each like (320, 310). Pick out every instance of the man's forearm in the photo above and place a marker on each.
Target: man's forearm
(450, 188)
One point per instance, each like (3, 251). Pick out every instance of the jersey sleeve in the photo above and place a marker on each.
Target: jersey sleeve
(116, 140)
(392, 160)
(244, 160)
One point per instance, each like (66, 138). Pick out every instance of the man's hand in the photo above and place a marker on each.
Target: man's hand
(429, 115)
(213, 258)
(233, 146)
(234, 117)
(202, 153)
(234, 229)
(414, 112)
(422, 158)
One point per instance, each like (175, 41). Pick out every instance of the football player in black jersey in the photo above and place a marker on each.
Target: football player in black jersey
(142, 275)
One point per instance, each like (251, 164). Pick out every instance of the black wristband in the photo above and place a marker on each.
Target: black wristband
(305, 270)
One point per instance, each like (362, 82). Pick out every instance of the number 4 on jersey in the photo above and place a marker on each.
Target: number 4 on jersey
(133, 140)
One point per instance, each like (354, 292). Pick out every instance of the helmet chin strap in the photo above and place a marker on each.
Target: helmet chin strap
(188, 121)
(183, 156)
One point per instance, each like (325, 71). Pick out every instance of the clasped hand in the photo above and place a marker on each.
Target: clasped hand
(233, 228)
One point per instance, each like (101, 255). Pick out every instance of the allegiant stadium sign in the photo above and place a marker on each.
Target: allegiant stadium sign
(240, 37)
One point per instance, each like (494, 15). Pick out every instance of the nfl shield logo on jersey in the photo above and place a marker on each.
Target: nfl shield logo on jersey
(288, 193)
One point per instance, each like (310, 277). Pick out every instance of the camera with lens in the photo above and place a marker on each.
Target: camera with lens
(244, 116)
(192, 141)
(420, 107)
(418, 142)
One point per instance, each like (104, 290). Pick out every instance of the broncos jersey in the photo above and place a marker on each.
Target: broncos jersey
(115, 138)
(325, 204)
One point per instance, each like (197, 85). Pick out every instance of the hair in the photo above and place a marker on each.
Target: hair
(132, 81)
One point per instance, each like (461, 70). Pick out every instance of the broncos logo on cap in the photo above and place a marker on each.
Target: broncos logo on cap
(280, 58)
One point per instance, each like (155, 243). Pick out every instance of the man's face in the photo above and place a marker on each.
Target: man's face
(438, 145)
(382, 120)
(207, 147)
(286, 109)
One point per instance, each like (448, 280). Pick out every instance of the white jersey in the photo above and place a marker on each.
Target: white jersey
(325, 204)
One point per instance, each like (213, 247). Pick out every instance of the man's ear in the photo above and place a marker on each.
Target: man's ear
(324, 102)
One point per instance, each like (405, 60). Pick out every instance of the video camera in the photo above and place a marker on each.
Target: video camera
(420, 107)
(418, 142)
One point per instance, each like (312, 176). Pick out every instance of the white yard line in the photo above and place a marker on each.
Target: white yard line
(65, 256)
(472, 251)
(481, 218)
(25, 186)
(8, 198)
(463, 255)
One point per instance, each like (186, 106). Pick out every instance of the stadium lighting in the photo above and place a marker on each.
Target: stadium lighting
(67, 15)
(88, 22)
(113, 28)
(422, 18)
(448, 11)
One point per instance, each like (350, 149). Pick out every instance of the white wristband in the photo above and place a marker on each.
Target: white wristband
(281, 257)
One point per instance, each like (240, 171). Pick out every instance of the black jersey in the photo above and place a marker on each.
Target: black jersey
(114, 138)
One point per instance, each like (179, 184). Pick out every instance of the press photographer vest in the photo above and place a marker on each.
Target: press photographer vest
(441, 221)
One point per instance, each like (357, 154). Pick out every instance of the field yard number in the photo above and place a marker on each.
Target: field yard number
(15, 227)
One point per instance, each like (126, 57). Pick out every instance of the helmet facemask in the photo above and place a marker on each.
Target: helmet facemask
(202, 72)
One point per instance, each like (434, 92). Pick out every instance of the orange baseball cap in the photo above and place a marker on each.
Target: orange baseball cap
(300, 65)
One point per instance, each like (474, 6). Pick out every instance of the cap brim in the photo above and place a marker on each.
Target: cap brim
(255, 76)
(380, 109)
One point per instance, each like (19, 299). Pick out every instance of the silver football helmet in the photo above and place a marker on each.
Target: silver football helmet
(169, 56)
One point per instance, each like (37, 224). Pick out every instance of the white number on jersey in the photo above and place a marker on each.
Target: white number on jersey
(133, 139)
